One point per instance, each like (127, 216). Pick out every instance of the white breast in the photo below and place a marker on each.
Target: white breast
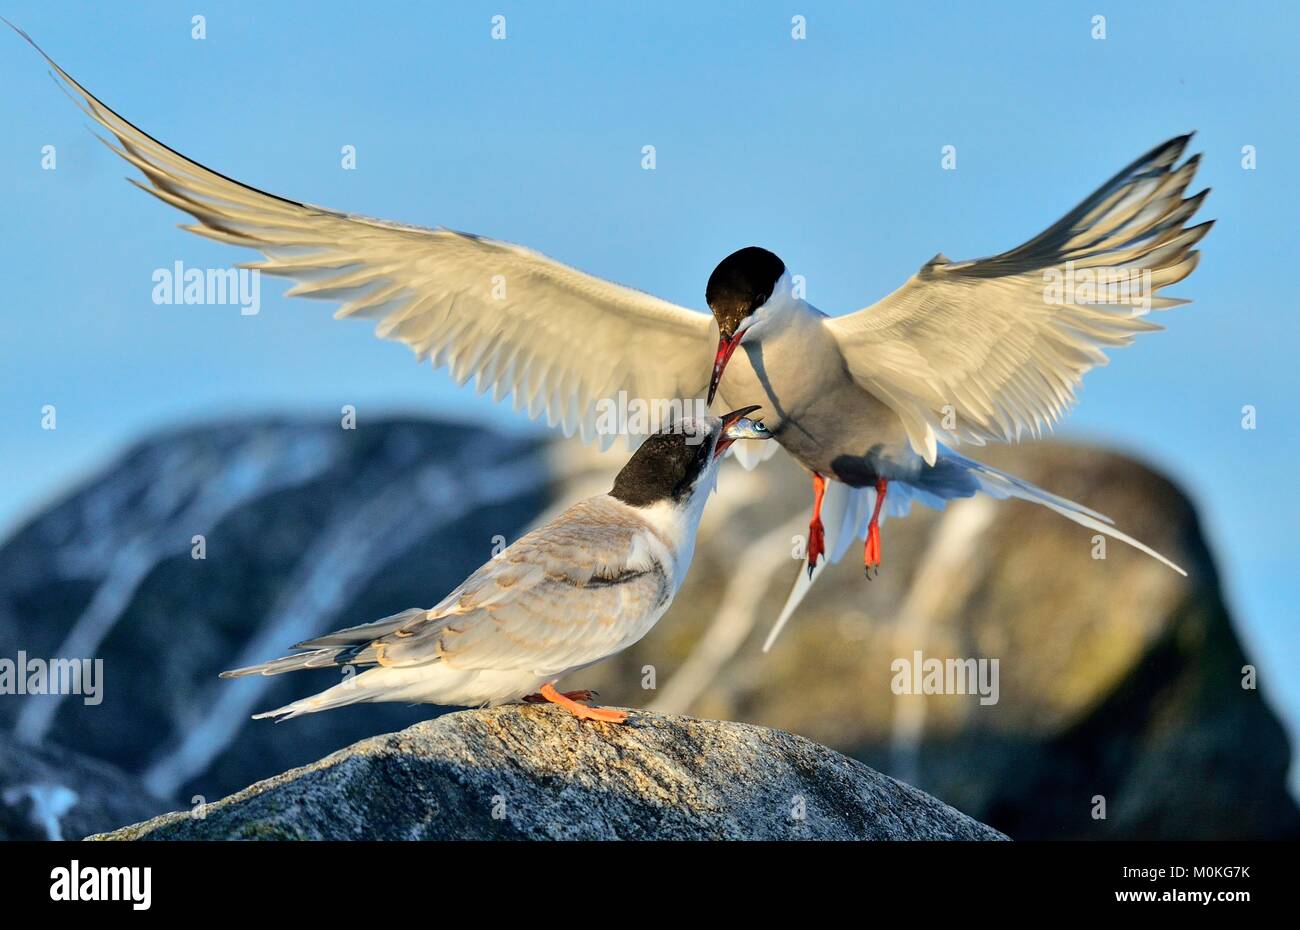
(785, 362)
(672, 532)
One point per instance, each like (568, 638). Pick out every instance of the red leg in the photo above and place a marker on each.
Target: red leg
(816, 533)
(871, 554)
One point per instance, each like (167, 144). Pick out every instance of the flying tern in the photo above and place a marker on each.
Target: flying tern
(871, 403)
(566, 595)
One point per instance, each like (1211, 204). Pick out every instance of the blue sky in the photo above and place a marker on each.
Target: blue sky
(825, 150)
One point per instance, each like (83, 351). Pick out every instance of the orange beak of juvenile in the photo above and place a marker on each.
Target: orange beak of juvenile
(726, 348)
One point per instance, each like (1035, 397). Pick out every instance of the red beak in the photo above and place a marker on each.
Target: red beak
(726, 348)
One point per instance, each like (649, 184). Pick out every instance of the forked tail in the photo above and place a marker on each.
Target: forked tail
(846, 511)
(1001, 485)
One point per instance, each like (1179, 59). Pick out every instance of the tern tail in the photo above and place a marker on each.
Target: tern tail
(347, 692)
(846, 512)
(1001, 485)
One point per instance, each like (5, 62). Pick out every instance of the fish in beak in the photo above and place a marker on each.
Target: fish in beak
(739, 425)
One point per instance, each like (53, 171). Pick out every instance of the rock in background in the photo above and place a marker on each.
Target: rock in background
(49, 793)
(307, 527)
(1117, 678)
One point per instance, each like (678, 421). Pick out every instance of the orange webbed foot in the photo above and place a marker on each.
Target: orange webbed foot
(581, 711)
(571, 695)
(871, 552)
(816, 543)
(816, 532)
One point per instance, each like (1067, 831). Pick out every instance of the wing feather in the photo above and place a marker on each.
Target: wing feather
(994, 349)
(516, 321)
(572, 592)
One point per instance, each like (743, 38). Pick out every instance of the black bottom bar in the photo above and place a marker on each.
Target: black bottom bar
(334, 879)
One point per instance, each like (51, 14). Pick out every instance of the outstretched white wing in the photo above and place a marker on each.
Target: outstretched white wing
(556, 339)
(994, 348)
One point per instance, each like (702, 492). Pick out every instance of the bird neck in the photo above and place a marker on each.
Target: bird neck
(675, 524)
(781, 310)
(677, 520)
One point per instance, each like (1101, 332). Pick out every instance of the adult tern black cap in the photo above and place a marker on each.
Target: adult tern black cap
(742, 282)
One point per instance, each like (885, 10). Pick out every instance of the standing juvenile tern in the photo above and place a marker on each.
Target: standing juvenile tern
(869, 403)
(568, 594)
